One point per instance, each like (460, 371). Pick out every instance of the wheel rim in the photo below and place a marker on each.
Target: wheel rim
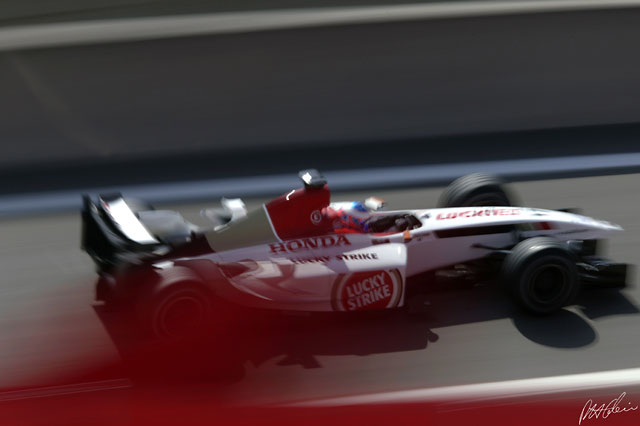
(548, 284)
(180, 315)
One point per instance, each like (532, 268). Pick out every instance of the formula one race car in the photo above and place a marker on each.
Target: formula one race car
(300, 252)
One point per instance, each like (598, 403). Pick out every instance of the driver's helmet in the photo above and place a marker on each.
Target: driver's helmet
(351, 216)
(358, 206)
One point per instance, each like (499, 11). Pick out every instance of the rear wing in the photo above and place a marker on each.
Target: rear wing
(113, 235)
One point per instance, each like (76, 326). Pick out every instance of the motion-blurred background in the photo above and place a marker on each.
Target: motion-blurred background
(182, 90)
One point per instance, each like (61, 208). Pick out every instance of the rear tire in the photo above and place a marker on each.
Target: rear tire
(475, 190)
(180, 310)
(541, 275)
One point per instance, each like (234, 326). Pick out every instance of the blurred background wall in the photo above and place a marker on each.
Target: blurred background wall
(341, 85)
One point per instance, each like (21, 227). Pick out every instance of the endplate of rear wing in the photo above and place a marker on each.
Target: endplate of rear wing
(113, 235)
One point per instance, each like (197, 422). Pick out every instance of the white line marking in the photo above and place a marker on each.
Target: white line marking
(131, 29)
(273, 229)
(494, 390)
(340, 180)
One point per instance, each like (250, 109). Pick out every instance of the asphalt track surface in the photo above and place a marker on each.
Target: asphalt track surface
(49, 327)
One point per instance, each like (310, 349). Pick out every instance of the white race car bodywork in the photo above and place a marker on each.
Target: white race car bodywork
(358, 271)
(301, 252)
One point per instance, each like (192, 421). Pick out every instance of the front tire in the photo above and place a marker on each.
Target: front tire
(541, 275)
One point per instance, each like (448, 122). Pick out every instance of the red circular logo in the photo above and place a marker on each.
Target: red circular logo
(368, 290)
(316, 217)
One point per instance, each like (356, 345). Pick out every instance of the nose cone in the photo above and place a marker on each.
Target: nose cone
(603, 227)
(610, 227)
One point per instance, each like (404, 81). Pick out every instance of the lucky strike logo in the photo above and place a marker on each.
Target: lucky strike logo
(367, 290)
(478, 213)
(292, 246)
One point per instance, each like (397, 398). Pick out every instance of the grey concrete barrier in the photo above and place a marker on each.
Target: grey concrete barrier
(320, 85)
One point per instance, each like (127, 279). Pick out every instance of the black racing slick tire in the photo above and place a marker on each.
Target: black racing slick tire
(475, 190)
(180, 310)
(541, 275)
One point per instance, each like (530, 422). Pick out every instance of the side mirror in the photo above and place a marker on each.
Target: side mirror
(312, 178)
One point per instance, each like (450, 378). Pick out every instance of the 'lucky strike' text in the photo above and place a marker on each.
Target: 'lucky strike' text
(367, 291)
